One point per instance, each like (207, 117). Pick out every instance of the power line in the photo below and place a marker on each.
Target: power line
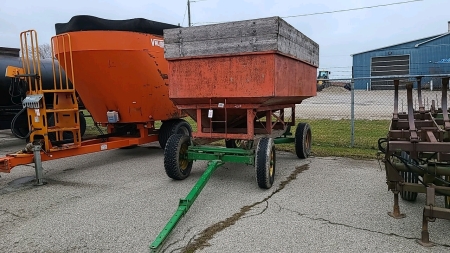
(337, 67)
(189, 9)
(184, 14)
(328, 56)
(353, 9)
(328, 12)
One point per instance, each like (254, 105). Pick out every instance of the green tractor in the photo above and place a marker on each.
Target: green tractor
(322, 80)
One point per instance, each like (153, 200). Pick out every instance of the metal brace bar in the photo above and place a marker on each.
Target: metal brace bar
(412, 126)
(38, 164)
(444, 103)
(184, 205)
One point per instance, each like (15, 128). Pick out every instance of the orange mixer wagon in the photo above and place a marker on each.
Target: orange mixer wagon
(119, 71)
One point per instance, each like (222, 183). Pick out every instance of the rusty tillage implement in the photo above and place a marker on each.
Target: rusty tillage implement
(118, 69)
(417, 155)
(240, 82)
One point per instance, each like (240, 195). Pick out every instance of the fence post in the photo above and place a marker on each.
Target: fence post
(352, 135)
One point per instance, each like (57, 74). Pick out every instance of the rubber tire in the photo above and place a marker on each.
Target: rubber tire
(264, 152)
(172, 150)
(409, 177)
(303, 139)
(447, 198)
(230, 143)
(171, 127)
(83, 124)
(288, 130)
(66, 135)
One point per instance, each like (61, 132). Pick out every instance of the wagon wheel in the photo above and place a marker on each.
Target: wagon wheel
(288, 130)
(171, 127)
(231, 143)
(67, 135)
(303, 140)
(244, 144)
(447, 198)
(409, 177)
(176, 163)
(265, 161)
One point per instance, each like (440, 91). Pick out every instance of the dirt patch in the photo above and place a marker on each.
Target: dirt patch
(336, 89)
(206, 235)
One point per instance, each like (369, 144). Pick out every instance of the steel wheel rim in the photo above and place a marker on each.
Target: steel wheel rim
(271, 164)
(308, 140)
(447, 198)
(183, 161)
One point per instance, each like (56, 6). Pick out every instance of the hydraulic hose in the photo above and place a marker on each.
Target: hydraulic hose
(13, 124)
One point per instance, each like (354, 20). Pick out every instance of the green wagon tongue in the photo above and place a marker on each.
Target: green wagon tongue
(185, 204)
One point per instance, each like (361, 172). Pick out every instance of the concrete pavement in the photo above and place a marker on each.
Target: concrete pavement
(119, 200)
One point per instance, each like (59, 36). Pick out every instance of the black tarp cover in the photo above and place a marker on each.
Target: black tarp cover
(91, 23)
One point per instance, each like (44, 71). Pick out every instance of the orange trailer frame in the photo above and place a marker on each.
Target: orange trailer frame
(23, 157)
(250, 112)
(41, 148)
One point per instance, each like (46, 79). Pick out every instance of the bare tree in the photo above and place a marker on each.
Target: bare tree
(45, 51)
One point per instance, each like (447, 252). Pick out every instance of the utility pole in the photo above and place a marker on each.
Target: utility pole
(189, 12)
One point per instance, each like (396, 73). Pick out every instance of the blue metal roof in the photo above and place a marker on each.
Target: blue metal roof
(415, 43)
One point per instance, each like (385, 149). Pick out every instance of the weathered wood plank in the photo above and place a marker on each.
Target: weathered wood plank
(305, 52)
(221, 46)
(241, 37)
(291, 40)
(237, 29)
(291, 33)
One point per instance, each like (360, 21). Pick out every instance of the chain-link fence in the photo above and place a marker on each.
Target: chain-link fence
(337, 102)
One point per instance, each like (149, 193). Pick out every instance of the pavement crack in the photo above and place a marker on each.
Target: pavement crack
(207, 234)
(265, 209)
(177, 241)
(353, 227)
(5, 211)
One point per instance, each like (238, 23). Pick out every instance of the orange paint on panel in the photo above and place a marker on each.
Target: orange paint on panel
(264, 79)
(227, 84)
(119, 71)
(294, 78)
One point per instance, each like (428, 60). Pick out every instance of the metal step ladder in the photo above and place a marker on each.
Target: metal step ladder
(55, 123)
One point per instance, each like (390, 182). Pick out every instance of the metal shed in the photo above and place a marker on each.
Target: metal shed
(430, 55)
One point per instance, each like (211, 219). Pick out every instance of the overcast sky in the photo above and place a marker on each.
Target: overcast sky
(338, 34)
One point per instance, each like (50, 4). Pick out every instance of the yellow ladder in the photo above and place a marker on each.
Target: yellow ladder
(58, 122)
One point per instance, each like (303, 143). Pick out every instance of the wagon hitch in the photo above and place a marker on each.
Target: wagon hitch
(184, 205)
